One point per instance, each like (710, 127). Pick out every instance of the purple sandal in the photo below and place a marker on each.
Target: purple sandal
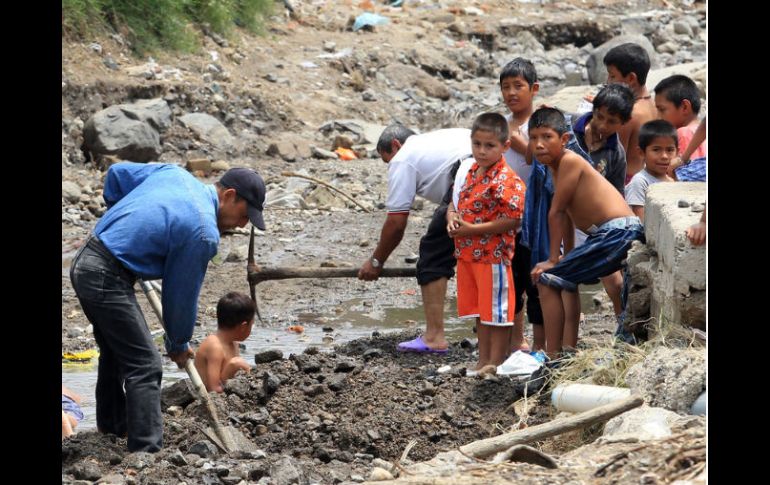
(418, 345)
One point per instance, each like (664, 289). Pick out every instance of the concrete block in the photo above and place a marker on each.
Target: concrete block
(665, 225)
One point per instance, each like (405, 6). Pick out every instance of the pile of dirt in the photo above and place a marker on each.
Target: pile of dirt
(332, 412)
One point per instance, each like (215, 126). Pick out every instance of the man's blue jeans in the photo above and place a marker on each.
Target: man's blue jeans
(128, 355)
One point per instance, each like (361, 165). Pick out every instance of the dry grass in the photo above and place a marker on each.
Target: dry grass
(607, 364)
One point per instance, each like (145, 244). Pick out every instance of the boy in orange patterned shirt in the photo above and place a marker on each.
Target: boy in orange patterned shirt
(483, 226)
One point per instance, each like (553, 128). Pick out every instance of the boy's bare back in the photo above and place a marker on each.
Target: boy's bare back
(212, 358)
(587, 196)
(644, 111)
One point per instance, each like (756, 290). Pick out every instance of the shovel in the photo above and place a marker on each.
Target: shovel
(225, 437)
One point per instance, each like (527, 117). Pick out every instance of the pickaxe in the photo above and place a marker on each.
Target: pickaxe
(256, 274)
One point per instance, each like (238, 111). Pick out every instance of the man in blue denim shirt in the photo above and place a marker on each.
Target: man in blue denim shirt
(161, 223)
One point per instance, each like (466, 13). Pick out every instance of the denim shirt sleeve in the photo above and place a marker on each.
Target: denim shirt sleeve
(124, 177)
(183, 277)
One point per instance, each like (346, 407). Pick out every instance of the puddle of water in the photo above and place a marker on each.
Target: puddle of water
(350, 324)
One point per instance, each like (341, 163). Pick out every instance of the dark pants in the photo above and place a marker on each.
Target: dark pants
(437, 249)
(127, 352)
(522, 281)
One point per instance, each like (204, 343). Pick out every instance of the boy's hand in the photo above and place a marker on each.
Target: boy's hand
(541, 268)
(451, 218)
(697, 233)
(461, 229)
(181, 357)
(675, 163)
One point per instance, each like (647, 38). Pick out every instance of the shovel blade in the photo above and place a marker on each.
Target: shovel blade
(239, 440)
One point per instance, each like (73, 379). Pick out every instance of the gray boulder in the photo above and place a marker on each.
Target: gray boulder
(120, 132)
(209, 129)
(597, 73)
(404, 77)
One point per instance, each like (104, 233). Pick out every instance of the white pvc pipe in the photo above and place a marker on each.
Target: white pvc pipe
(699, 406)
(576, 398)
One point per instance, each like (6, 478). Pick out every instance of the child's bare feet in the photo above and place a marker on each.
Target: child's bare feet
(489, 369)
(522, 345)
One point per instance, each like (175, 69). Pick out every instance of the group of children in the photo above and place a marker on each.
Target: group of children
(546, 204)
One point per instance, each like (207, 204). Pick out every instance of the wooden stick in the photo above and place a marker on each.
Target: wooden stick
(264, 274)
(326, 184)
(490, 446)
(600, 471)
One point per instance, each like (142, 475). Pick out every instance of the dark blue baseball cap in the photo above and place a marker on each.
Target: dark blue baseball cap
(248, 184)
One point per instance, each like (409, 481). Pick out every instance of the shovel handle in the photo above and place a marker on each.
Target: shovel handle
(192, 372)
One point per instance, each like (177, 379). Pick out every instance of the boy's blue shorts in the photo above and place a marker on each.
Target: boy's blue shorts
(602, 254)
(695, 171)
(71, 407)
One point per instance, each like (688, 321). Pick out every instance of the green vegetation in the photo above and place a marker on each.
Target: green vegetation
(162, 24)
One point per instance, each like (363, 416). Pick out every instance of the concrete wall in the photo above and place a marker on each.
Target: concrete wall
(668, 274)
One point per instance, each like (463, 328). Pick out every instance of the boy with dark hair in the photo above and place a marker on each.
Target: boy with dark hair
(596, 133)
(586, 200)
(218, 358)
(483, 226)
(658, 146)
(677, 100)
(518, 87)
(629, 64)
(596, 139)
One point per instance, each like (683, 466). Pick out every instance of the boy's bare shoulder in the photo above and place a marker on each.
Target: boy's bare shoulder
(211, 344)
(572, 158)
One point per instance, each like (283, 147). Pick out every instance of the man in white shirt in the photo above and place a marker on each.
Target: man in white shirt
(421, 164)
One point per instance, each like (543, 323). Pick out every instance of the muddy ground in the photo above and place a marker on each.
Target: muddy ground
(331, 417)
(327, 423)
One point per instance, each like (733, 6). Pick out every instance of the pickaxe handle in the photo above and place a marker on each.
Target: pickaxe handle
(264, 274)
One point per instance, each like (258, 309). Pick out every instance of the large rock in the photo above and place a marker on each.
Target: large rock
(280, 198)
(154, 112)
(209, 129)
(290, 147)
(323, 197)
(364, 133)
(670, 378)
(119, 131)
(644, 423)
(568, 99)
(285, 472)
(403, 77)
(563, 29)
(597, 73)
(434, 62)
(694, 70)
(179, 393)
(70, 191)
